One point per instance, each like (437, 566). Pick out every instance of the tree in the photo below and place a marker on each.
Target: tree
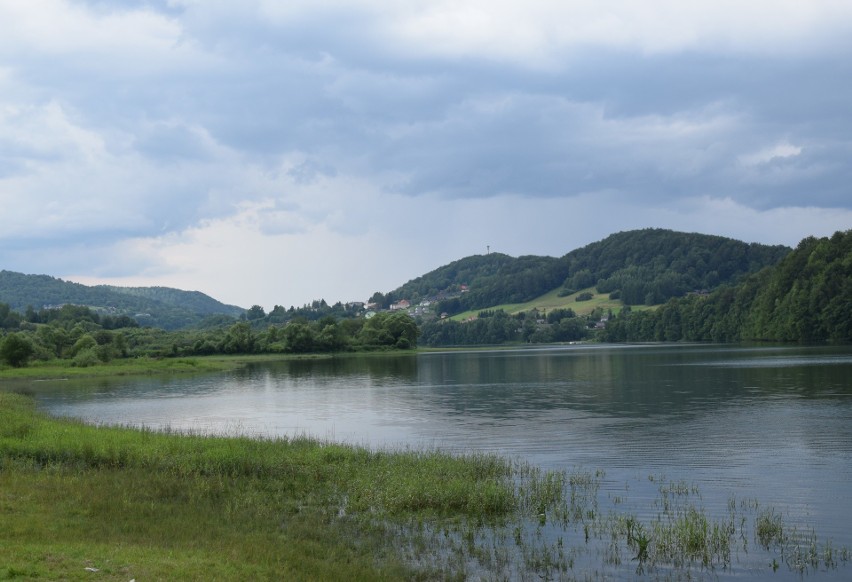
(16, 350)
(53, 338)
(330, 336)
(256, 312)
(390, 330)
(85, 342)
(299, 337)
(239, 339)
(8, 318)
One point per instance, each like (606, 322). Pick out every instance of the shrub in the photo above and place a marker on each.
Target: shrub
(86, 342)
(16, 350)
(87, 357)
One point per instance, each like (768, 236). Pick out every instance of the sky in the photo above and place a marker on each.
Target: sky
(274, 153)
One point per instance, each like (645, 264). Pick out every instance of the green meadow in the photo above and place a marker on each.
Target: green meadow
(552, 300)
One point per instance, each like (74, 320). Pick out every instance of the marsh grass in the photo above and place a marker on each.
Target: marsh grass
(246, 508)
(141, 504)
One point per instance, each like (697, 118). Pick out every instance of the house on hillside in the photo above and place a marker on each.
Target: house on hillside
(401, 304)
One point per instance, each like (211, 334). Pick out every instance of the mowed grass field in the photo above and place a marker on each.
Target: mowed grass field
(551, 301)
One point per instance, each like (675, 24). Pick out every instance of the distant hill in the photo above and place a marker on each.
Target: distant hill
(152, 306)
(646, 266)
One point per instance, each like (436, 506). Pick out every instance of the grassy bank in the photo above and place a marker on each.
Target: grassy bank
(54, 369)
(145, 505)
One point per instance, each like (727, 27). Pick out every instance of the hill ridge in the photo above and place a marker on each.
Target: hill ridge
(644, 266)
(165, 307)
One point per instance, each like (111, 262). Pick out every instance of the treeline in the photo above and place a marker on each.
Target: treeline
(494, 327)
(807, 297)
(83, 338)
(314, 311)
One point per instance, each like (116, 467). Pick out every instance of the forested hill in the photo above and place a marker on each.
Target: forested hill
(652, 265)
(807, 297)
(155, 306)
(487, 280)
(640, 267)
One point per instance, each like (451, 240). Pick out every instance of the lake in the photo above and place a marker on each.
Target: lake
(750, 422)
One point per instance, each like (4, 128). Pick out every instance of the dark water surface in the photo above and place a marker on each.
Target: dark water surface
(771, 423)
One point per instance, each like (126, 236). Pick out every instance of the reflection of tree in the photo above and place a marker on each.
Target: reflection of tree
(400, 367)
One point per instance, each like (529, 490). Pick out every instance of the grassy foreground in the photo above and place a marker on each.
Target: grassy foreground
(137, 504)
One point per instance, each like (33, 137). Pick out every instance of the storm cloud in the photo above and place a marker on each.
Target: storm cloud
(337, 148)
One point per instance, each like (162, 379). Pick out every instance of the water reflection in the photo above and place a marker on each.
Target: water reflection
(772, 423)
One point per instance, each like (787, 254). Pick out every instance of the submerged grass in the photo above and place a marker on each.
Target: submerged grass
(144, 504)
(142, 366)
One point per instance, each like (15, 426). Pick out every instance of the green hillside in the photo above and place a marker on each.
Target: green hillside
(640, 267)
(807, 297)
(151, 306)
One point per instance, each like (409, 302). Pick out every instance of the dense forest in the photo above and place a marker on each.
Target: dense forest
(807, 297)
(653, 265)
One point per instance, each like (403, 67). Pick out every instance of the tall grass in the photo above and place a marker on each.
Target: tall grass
(216, 500)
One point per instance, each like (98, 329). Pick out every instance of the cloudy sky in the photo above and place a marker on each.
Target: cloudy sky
(270, 152)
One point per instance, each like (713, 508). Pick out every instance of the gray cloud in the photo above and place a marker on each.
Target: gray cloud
(146, 118)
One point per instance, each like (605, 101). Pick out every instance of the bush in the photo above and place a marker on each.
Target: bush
(87, 357)
(16, 350)
(587, 296)
(86, 342)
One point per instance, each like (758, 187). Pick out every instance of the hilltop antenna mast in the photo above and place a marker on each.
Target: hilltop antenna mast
(487, 249)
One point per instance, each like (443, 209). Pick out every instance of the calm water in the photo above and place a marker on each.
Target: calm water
(768, 423)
